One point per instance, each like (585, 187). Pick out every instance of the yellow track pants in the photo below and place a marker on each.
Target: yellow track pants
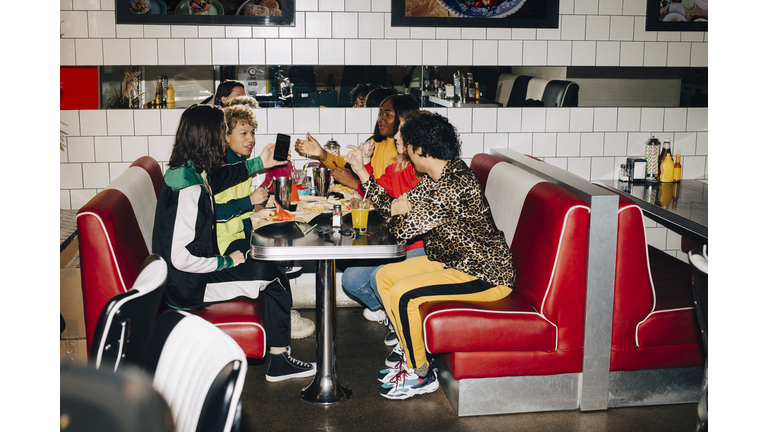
(405, 285)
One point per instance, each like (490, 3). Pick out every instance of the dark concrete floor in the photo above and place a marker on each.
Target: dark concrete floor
(360, 352)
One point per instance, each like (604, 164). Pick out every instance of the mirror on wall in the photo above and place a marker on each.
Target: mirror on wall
(329, 86)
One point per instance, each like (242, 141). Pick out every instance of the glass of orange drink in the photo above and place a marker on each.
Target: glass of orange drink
(360, 214)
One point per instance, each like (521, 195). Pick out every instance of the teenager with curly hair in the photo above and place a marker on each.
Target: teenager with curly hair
(467, 257)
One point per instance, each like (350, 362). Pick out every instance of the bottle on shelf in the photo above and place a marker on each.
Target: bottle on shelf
(171, 97)
(666, 149)
(667, 169)
(677, 173)
(158, 98)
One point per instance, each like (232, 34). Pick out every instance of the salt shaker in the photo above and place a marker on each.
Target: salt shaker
(336, 219)
(623, 175)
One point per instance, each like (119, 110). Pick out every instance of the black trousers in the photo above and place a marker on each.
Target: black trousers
(249, 280)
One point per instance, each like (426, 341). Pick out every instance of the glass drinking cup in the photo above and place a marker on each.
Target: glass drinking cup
(360, 214)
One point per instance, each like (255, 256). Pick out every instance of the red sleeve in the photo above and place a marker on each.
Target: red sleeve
(396, 183)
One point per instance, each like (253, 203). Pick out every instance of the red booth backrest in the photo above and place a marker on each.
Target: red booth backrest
(634, 297)
(115, 235)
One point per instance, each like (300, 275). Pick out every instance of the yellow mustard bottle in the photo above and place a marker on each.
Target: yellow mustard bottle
(667, 169)
(678, 171)
(171, 98)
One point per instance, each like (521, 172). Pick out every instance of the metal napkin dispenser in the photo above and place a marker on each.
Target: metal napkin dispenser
(636, 169)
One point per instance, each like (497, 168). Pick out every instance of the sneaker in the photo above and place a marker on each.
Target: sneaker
(385, 375)
(397, 355)
(300, 327)
(293, 272)
(282, 367)
(406, 384)
(391, 338)
(380, 316)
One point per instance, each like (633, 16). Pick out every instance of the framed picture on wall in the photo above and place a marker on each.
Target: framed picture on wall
(206, 12)
(476, 13)
(676, 15)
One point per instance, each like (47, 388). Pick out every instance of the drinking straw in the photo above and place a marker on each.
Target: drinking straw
(310, 229)
(366, 190)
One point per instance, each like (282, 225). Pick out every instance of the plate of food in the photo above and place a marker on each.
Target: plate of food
(482, 8)
(262, 8)
(206, 7)
(674, 17)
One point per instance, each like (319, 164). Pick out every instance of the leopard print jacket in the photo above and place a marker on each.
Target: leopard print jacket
(455, 220)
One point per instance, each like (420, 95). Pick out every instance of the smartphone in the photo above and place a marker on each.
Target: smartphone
(282, 145)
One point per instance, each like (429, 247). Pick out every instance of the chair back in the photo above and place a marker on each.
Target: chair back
(100, 400)
(522, 90)
(199, 370)
(700, 269)
(114, 231)
(547, 229)
(125, 324)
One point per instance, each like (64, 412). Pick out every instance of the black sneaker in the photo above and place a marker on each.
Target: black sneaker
(395, 357)
(391, 338)
(282, 367)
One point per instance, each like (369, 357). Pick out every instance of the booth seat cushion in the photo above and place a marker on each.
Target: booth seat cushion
(242, 320)
(654, 323)
(510, 324)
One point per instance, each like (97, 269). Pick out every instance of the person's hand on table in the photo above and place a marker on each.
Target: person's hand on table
(237, 257)
(310, 147)
(344, 176)
(267, 156)
(259, 196)
(400, 205)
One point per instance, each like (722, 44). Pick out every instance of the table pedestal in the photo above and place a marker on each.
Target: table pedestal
(326, 388)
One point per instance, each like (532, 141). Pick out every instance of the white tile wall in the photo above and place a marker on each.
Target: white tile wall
(590, 142)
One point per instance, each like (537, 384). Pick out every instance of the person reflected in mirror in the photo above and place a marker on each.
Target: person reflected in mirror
(467, 257)
(358, 94)
(184, 235)
(227, 90)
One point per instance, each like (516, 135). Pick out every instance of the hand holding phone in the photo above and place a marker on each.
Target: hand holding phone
(282, 146)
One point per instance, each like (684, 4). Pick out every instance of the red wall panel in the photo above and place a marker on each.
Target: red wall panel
(79, 87)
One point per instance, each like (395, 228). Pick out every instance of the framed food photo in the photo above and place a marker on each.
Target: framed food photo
(676, 15)
(206, 12)
(476, 13)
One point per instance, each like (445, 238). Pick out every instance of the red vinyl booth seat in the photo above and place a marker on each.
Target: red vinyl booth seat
(654, 321)
(115, 237)
(539, 328)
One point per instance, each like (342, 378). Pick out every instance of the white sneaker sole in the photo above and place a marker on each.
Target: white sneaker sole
(302, 333)
(401, 395)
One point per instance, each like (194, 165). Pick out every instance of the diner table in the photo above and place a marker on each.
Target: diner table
(299, 241)
(681, 207)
